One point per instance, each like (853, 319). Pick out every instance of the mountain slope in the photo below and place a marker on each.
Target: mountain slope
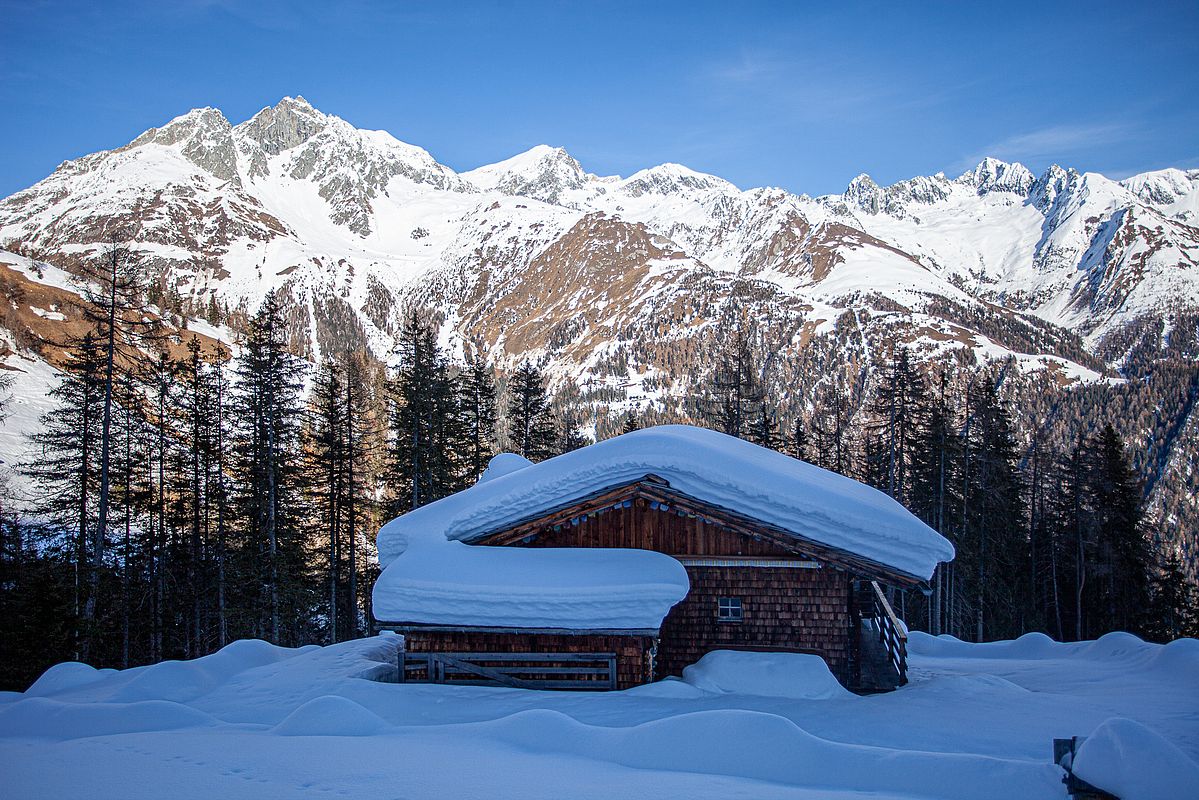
(619, 283)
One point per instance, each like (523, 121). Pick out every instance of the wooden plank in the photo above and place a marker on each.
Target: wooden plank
(518, 669)
(882, 601)
(530, 656)
(483, 672)
(446, 668)
(541, 685)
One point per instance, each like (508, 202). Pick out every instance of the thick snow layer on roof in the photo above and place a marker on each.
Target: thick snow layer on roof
(711, 467)
(451, 583)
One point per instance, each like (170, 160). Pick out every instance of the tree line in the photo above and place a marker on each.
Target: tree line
(1047, 540)
(183, 497)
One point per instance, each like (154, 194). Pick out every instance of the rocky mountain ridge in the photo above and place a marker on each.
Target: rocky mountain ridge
(1068, 279)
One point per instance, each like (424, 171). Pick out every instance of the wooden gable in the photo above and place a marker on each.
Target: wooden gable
(648, 514)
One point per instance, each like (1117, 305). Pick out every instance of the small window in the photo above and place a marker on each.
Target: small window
(728, 609)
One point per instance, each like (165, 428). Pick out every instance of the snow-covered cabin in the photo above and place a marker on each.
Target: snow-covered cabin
(627, 560)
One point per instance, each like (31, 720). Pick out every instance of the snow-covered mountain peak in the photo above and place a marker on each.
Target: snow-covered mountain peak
(287, 124)
(203, 136)
(545, 173)
(1052, 183)
(863, 193)
(1163, 187)
(671, 178)
(994, 175)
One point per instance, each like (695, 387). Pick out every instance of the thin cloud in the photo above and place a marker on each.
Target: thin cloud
(1056, 142)
(802, 87)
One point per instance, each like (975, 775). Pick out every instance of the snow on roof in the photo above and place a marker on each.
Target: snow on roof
(578, 588)
(710, 467)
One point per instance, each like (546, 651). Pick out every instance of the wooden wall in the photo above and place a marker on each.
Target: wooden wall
(641, 527)
(632, 652)
(783, 607)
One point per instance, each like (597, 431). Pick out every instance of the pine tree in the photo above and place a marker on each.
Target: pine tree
(428, 435)
(900, 411)
(569, 405)
(1124, 560)
(833, 429)
(360, 455)
(991, 543)
(197, 410)
(220, 392)
(162, 389)
(797, 445)
(113, 293)
(67, 475)
(327, 446)
(570, 432)
(631, 422)
(266, 403)
(932, 495)
(1173, 610)
(763, 430)
(532, 431)
(476, 393)
(733, 401)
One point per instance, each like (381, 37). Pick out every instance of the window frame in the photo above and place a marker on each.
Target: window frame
(730, 610)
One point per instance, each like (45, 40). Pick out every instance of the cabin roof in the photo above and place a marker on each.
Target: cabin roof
(567, 588)
(721, 471)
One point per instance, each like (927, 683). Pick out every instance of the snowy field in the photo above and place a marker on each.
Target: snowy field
(257, 721)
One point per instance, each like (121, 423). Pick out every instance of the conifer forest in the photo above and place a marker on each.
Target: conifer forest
(191, 492)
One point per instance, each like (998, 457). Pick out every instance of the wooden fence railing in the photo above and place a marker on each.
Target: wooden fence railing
(891, 632)
(519, 670)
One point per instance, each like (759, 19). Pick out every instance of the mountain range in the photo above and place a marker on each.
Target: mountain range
(1083, 290)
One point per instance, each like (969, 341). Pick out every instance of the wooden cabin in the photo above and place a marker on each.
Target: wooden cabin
(766, 567)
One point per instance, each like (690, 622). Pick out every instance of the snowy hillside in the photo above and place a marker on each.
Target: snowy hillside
(299, 199)
(618, 283)
(258, 721)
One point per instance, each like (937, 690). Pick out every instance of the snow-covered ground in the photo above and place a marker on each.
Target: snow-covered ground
(254, 720)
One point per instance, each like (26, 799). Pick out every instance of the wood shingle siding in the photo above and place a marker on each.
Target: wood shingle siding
(802, 609)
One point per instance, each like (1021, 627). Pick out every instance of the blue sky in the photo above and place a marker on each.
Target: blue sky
(799, 95)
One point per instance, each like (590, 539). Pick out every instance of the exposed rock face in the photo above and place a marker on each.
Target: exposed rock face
(289, 124)
(204, 137)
